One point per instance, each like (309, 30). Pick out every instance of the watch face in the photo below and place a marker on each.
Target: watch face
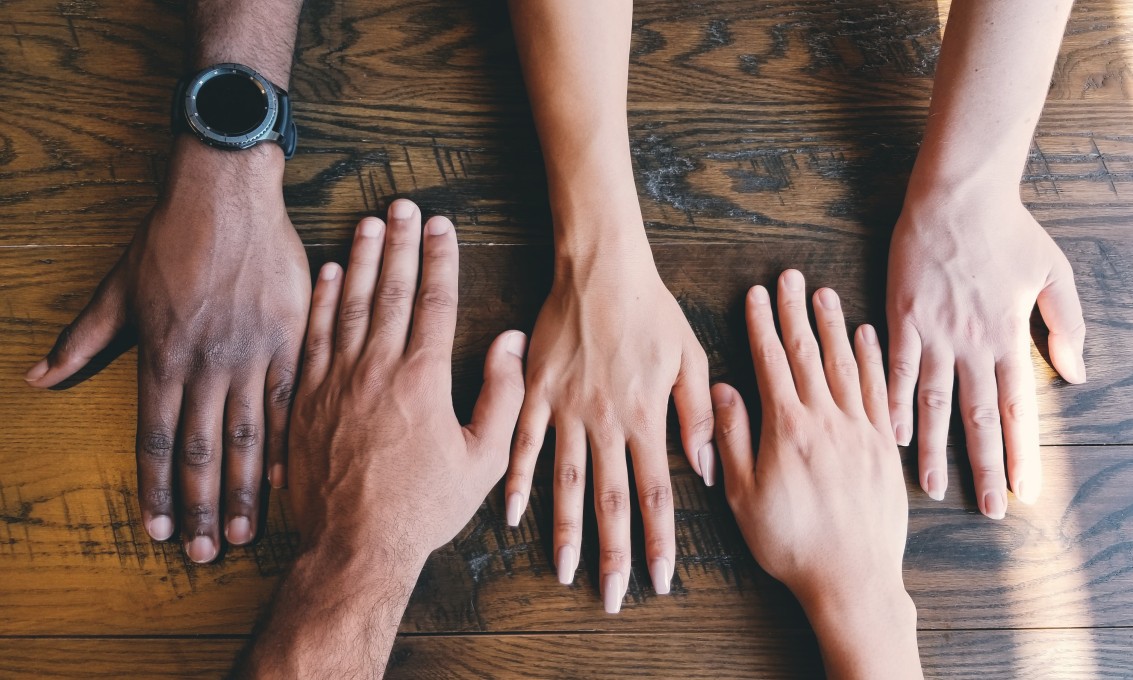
(231, 106)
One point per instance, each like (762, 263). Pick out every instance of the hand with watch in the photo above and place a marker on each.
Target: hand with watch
(216, 286)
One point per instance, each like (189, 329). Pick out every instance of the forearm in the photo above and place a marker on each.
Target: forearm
(575, 58)
(335, 616)
(870, 633)
(256, 33)
(991, 82)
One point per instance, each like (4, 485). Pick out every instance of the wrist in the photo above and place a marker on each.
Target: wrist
(371, 569)
(258, 168)
(865, 630)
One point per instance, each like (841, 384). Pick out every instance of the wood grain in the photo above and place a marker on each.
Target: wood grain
(764, 135)
(1048, 654)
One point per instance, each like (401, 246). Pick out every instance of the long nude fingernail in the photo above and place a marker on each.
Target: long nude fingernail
(612, 593)
(659, 574)
(564, 565)
(514, 508)
(707, 458)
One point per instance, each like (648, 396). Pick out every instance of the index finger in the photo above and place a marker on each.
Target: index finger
(772, 372)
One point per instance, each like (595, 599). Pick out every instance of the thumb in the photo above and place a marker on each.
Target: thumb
(733, 437)
(497, 409)
(1062, 312)
(91, 331)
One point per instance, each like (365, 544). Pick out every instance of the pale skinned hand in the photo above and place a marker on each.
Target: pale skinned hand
(823, 506)
(609, 347)
(378, 459)
(216, 286)
(964, 277)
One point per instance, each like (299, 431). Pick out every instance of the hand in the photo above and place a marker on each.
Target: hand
(964, 276)
(379, 462)
(382, 472)
(609, 346)
(823, 506)
(216, 285)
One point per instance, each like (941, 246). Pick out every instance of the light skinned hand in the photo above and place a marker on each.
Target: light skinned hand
(609, 347)
(823, 506)
(216, 286)
(964, 277)
(379, 462)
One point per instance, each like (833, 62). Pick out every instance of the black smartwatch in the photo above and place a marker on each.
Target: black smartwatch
(230, 106)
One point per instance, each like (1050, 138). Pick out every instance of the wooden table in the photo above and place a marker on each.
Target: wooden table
(765, 134)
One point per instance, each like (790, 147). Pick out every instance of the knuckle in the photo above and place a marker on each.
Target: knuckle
(283, 390)
(518, 479)
(527, 442)
(198, 451)
(567, 526)
(769, 353)
(1017, 408)
(158, 497)
(803, 348)
(436, 300)
(613, 502)
(242, 497)
(934, 399)
(157, 445)
(394, 293)
(843, 367)
(201, 513)
(614, 556)
(983, 417)
(902, 368)
(701, 422)
(354, 311)
(318, 346)
(657, 497)
(569, 476)
(244, 436)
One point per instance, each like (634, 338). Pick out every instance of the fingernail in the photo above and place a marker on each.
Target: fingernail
(370, 227)
(659, 574)
(402, 209)
(1081, 370)
(995, 504)
(277, 476)
(517, 344)
(793, 280)
(932, 485)
(828, 298)
(1020, 489)
(869, 336)
(564, 565)
(723, 397)
(902, 434)
(160, 527)
(759, 294)
(437, 226)
(707, 458)
(514, 508)
(238, 531)
(201, 549)
(38, 371)
(328, 272)
(612, 593)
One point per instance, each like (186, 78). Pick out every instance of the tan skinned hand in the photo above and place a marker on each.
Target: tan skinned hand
(379, 461)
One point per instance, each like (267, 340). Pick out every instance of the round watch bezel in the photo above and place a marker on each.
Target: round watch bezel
(244, 141)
